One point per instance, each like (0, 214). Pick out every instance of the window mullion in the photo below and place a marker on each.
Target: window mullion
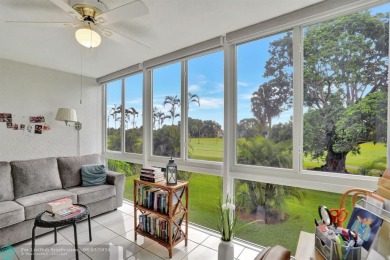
(184, 111)
(297, 98)
(123, 125)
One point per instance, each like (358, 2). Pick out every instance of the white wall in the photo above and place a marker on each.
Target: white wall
(27, 90)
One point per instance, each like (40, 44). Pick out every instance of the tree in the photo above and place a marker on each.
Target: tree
(133, 112)
(154, 117)
(113, 113)
(345, 63)
(210, 128)
(345, 87)
(193, 98)
(275, 95)
(269, 199)
(195, 126)
(166, 141)
(248, 128)
(282, 132)
(174, 101)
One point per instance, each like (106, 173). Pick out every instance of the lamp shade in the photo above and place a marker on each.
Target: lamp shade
(88, 37)
(66, 114)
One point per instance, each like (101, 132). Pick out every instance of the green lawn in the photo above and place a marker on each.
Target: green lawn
(129, 185)
(369, 152)
(205, 190)
(209, 149)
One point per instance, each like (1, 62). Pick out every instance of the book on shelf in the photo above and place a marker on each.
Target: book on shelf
(151, 169)
(152, 175)
(158, 227)
(152, 179)
(156, 199)
(59, 204)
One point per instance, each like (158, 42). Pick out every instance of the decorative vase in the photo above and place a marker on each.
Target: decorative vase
(226, 250)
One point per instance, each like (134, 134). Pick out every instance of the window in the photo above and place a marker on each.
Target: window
(281, 212)
(205, 107)
(340, 122)
(113, 112)
(131, 170)
(345, 93)
(133, 114)
(264, 101)
(206, 190)
(166, 110)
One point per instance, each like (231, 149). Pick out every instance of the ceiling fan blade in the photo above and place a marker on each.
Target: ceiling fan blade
(118, 37)
(130, 10)
(48, 24)
(67, 8)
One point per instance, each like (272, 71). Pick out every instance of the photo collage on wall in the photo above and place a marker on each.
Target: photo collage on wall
(35, 124)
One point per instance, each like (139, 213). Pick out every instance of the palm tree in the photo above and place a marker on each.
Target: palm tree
(193, 98)
(113, 113)
(155, 117)
(266, 197)
(174, 101)
(133, 112)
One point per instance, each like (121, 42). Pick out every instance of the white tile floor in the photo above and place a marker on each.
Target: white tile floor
(113, 238)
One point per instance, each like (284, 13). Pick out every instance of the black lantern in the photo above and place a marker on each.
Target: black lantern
(171, 172)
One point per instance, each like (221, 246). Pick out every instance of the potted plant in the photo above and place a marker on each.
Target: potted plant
(227, 227)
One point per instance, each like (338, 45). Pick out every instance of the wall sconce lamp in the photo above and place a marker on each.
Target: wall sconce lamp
(68, 115)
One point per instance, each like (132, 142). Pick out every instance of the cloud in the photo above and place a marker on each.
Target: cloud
(194, 87)
(218, 88)
(207, 103)
(131, 102)
(245, 96)
(242, 84)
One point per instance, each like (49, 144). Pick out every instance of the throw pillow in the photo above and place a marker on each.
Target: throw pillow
(93, 174)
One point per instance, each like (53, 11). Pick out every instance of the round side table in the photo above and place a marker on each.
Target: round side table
(47, 220)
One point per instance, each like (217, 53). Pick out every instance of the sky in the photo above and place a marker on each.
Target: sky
(205, 79)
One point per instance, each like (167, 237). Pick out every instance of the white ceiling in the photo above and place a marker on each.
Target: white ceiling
(169, 26)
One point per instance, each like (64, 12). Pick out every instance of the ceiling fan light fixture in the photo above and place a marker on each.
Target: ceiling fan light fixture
(88, 37)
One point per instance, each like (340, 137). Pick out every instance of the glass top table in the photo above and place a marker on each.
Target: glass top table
(47, 220)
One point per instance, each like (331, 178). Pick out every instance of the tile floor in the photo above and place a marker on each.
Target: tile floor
(113, 238)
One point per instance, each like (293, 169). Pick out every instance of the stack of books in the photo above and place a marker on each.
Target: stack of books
(152, 174)
(62, 208)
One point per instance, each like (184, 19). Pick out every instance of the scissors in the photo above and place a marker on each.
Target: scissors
(338, 216)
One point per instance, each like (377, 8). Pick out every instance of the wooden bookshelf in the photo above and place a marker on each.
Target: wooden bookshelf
(176, 201)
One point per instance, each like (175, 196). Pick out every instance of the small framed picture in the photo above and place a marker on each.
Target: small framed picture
(38, 129)
(37, 119)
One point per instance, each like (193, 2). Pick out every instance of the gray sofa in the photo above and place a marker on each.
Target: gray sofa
(26, 187)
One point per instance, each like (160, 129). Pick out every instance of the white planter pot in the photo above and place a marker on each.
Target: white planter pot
(225, 250)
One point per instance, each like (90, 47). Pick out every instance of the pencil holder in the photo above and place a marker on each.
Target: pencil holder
(332, 251)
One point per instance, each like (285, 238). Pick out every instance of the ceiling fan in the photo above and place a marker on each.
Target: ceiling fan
(92, 16)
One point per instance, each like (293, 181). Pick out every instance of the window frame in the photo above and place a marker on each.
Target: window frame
(228, 169)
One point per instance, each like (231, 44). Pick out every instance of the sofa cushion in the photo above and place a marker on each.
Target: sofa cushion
(34, 176)
(10, 213)
(36, 203)
(69, 168)
(93, 174)
(6, 183)
(86, 195)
